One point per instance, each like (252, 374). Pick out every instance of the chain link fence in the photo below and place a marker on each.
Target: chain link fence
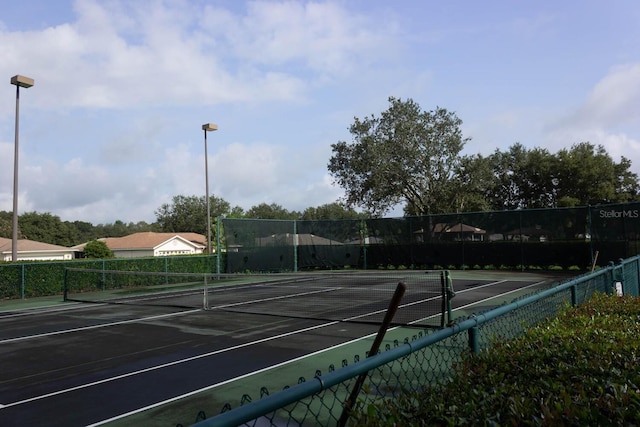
(563, 238)
(425, 358)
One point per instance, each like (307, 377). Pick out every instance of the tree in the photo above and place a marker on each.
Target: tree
(189, 213)
(524, 179)
(404, 155)
(587, 175)
(272, 211)
(44, 227)
(474, 180)
(331, 211)
(5, 224)
(97, 249)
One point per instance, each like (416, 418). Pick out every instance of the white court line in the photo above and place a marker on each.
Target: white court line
(213, 386)
(102, 325)
(235, 304)
(164, 365)
(21, 312)
(493, 296)
(177, 362)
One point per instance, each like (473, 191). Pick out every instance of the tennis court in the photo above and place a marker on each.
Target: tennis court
(158, 358)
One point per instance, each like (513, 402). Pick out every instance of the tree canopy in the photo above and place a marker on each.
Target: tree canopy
(414, 156)
(582, 175)
(97, 249)
(405, 154)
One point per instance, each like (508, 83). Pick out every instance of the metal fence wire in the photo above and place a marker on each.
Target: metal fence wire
(425, 358)
(518, 239)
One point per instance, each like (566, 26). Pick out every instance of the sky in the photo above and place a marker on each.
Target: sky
(112, 128)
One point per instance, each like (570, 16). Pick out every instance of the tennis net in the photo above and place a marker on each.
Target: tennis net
(345, 296)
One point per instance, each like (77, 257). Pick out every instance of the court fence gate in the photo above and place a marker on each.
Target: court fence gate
(425, 358)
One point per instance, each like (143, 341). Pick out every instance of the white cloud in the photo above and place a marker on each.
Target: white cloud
(148, 53)
(111, 128)
(607, 117)
(613, 101)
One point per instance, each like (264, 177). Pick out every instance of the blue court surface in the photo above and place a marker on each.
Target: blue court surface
(78, 364)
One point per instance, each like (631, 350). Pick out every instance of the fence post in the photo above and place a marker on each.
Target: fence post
(218, 244)
(474, 344)
(574, 295)
(618, 278)
(22, 285)
(363, 239)
(295, 246)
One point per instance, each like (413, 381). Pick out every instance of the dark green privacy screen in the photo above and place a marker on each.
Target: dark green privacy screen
(521, 239)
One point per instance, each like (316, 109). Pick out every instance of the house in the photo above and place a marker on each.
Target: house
(457, 231)
(30, 250)
(148, 243)
(287, 239)
(536, 233)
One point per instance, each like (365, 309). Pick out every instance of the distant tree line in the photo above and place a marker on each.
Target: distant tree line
(413, 157)
(405, 156)
(184, 213)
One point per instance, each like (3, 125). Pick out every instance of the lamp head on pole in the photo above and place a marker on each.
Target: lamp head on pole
(209, 127)
(22, 81)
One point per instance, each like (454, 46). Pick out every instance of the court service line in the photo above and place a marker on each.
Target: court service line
(162, 366)
(235, 304)
(21, 312)
(102, 325)
(493, 296)
(306, 356)
(174, 363)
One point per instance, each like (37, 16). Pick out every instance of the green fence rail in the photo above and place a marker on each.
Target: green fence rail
(421, 360)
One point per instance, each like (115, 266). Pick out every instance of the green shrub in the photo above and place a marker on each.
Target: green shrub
(580, 368)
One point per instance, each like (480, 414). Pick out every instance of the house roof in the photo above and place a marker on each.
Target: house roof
(148, 240)
(457, 228)
(529, 231)
(443, 227)
(26, 245)
(302, 240)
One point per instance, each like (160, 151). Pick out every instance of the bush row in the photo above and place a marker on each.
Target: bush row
(36, 279)
(580, 368)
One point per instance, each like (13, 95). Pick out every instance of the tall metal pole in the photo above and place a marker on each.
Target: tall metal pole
(14, 225)
(206, 177)
(26, 82)
(206, 128)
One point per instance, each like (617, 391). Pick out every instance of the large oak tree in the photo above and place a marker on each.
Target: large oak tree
(404, 155)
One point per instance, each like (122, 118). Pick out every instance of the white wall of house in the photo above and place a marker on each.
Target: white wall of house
(40, 256)
(132, 253)
(176, 247)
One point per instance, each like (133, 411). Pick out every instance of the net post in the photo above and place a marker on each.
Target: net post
(375, 346)
(449, 294)
(205, 295)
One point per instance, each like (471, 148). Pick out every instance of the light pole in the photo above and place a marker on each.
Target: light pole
(25, 82)
(207, 127)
